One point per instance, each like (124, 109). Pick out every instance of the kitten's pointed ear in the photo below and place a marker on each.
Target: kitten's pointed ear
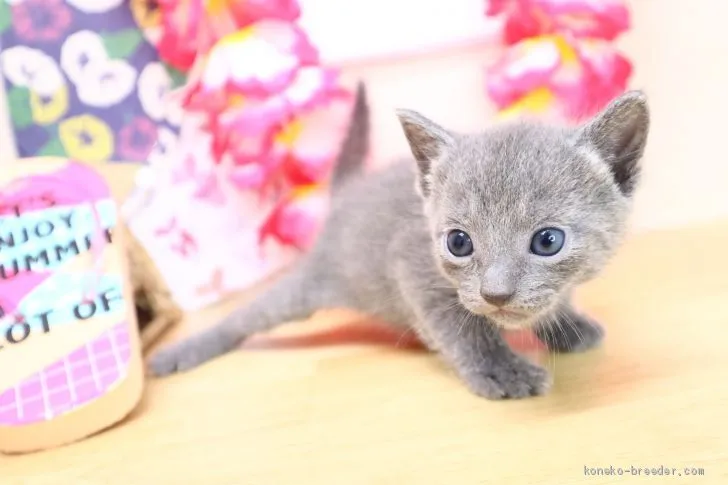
(427, 140)
(619, 134)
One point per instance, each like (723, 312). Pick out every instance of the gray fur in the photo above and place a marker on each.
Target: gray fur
(383, 249)
(355, 145)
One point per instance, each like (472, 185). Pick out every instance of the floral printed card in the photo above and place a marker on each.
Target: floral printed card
(83, 82)
(203, 234)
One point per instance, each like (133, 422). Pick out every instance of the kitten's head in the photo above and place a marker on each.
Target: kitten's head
(522, 213)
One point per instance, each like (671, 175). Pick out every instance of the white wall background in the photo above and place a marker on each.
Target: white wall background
(351, 31)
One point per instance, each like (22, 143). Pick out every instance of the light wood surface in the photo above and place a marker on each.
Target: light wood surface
(332, 401)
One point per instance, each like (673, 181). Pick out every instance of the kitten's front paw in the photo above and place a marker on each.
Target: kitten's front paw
(571, 333)
(509, 376)
(188, 354)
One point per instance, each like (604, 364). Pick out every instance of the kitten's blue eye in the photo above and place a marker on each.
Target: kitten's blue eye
(459, 244)
(547, 242)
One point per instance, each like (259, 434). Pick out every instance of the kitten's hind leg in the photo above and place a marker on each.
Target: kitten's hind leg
(296, 296)
(566, 330)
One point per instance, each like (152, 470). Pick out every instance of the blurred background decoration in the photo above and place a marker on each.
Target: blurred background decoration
(81, 81)
(234, 108)
(242, 192)
(559, 57)
(225, 103)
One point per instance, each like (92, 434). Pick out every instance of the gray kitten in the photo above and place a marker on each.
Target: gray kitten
(484, 232)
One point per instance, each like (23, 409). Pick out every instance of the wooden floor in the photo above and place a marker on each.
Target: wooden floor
(332, 402)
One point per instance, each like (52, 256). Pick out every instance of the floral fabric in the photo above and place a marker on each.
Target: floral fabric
(83, 82)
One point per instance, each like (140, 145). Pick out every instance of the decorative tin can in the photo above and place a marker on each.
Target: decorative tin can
(70, 351)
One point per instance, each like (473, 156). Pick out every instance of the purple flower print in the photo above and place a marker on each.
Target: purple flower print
(41, 20)
(137, 139)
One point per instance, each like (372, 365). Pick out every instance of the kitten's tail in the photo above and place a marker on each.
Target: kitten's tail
(355, 146)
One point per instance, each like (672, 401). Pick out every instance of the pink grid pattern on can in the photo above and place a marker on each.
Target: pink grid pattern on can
(81, 377)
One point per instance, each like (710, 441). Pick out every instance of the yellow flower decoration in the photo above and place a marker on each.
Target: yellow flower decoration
(146, 13)
(49, 109)
(289, 134)
(86, 138)
(539, 101)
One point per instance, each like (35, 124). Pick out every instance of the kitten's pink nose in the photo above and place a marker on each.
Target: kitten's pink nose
(497, 299)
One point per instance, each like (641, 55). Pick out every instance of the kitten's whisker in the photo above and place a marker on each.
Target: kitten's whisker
(403, 335)
(551, 342)
(441, 287)
(452, 305)
(557, 324)
(462, 322)
(572, 324)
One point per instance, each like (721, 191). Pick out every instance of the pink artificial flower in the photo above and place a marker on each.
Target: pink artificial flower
(520, 21)
(246, 12)
(190, 28)
(41, 20)
(497, 7)
(256, 107)
(255, 165)
(523, 67)
(583, 76)
(312, 87)
(251, 176)
(298, 153)
(606, 73)
(252, 130)
(296, 220)
(540, 104)
(279, 160)
(601, 19)
(310, 151)
(178, 44)
(267, 58)
(255, 155)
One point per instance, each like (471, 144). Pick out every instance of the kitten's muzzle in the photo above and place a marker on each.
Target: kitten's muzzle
(499, 299)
